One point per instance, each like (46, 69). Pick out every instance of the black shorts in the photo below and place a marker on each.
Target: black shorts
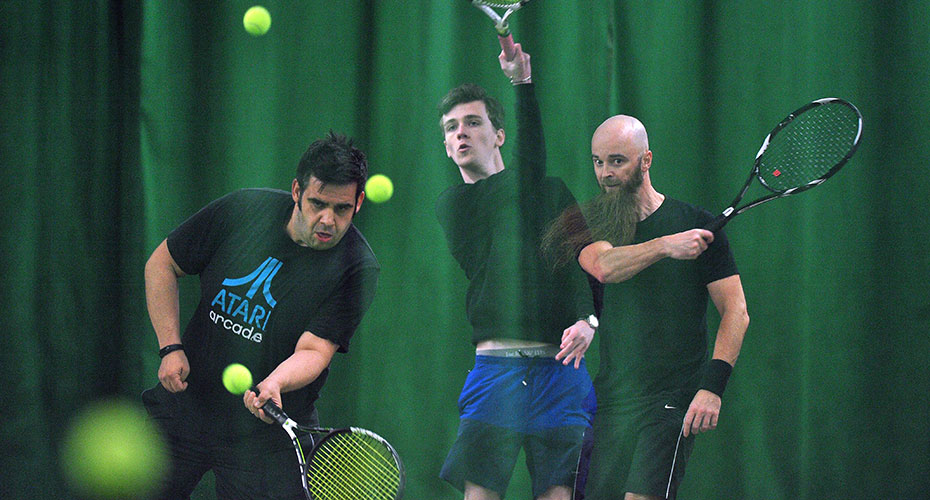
(639, 448)
(258, 466)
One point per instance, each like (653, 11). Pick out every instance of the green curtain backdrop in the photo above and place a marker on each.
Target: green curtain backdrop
(118, 121)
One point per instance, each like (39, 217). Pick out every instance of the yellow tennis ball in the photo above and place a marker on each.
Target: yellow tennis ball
(379, 188)
(237, 378)
(257, 20)
(112, 449)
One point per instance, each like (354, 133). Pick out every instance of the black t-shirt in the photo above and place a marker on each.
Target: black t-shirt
(653, 330)
(260, 291)
(493, 229)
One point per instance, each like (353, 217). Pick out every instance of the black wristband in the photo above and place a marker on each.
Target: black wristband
(716, 375)
(168, 349)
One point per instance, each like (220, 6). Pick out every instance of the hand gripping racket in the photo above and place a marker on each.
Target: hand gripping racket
(801, 152)
(500, 22)
(343, 464)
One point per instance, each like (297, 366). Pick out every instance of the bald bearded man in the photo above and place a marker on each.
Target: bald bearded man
(656, 388)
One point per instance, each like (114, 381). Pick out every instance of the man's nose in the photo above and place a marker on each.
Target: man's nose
(328, 217)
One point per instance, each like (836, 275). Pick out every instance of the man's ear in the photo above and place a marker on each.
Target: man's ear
(647, 160)
(295, 191)
(358, 203)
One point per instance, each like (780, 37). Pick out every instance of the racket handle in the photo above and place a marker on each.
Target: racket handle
(507, 46)
(272, 410)
(716, 224)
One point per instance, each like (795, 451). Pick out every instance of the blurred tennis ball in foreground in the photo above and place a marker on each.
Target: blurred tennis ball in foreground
(237, 378)
(257, 20)
(379, 188)
(112, 450)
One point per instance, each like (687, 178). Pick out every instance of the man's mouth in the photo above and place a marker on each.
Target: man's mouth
(323, 236)
(464, 147)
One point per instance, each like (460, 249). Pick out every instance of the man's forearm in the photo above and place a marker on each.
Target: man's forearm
(729, 341)
(299, 370)
(610, 264)
(728, 297)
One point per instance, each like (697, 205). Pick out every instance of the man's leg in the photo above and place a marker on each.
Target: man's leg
(188, 449)
(486, 447)
(556, 429)
(556, 493)
(475, 492)
(661, 452)
(634, 496)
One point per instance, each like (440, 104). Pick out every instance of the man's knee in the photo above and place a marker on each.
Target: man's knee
(556, 492)
(635, 496)
(475, 492)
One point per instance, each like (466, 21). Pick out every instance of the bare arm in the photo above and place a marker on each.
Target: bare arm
(728, 297)
(311, 356)
(730, 301)
(610, 264)
(161, 298)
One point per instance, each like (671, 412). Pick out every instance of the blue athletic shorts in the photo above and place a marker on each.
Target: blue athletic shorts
(536, 404)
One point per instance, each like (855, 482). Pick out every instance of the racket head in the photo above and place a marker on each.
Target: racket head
(809, 145)
(354, 463)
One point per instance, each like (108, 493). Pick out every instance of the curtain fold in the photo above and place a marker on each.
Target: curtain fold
(120, 120)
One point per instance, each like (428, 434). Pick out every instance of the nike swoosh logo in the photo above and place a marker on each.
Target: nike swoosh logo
(670, 407)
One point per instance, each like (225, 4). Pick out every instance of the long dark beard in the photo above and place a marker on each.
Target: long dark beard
(609, 216)
(612, 217)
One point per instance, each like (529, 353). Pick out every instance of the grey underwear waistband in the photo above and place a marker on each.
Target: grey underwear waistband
(548, 351)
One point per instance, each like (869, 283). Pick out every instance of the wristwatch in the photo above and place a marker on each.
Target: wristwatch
(591, 320)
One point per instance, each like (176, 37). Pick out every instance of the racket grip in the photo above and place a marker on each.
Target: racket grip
(507, 46)
(272, 410)
(716, 224)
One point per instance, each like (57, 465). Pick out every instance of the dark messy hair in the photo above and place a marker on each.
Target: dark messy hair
(333, 160)
(469, 92)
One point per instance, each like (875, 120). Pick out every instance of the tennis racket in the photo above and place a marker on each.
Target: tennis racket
(343, 464)
(500, 22)
(805, 149)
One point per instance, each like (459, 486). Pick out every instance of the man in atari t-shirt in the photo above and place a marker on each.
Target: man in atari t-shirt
(285, 279)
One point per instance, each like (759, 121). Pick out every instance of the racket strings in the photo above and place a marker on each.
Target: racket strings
(809, 146)
(353, 466)
(340, 478)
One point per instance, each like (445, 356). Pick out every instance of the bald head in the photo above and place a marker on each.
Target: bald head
(623, 129)
(620, 151)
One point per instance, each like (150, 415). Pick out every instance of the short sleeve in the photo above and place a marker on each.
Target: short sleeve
(339, 316)
(717, 261)
(194, 242)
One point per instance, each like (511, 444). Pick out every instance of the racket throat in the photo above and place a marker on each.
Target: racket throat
(500, 23)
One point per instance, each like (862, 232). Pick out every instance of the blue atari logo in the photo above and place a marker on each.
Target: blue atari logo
(240, 312)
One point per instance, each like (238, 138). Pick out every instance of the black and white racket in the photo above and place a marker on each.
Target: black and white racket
(343, 464)
(500, 22)
(805, 149)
